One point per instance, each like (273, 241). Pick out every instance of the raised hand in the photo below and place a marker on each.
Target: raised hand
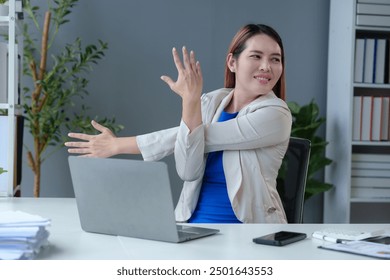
(189, 82)
(188, 86)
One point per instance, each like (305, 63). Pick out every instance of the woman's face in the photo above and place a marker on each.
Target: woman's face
(259, 67)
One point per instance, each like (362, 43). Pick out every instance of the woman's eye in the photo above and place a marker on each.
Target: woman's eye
(256, 56)
(276, 60)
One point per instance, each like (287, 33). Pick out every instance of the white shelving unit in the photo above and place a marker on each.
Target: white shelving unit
(343, 32)
(9, 23)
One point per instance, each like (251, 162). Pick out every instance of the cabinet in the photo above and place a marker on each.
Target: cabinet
(351, 20)
(9, 106)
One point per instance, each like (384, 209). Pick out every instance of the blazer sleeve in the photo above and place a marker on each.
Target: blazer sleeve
(157, 145)
(263, 127)
(189, 152)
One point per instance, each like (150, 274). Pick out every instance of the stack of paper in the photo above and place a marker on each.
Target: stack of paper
(22, 235)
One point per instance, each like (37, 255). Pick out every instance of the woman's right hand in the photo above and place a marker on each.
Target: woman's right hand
(100, 145)
(188, 86)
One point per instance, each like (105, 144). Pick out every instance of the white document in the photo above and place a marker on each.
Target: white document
(365, 248)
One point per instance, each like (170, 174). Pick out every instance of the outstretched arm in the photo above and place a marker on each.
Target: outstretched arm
(105, 144)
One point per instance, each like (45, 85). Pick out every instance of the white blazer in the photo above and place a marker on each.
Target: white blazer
(254, 144)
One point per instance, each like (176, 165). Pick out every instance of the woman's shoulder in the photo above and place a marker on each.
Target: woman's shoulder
(269, 99)
(217, 94)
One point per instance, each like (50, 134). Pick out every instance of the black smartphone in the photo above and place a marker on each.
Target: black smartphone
(280, 238)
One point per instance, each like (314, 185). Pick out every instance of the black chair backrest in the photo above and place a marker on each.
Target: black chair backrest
(291, 186)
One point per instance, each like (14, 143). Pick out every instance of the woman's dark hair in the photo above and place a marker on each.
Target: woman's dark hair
(238, 45)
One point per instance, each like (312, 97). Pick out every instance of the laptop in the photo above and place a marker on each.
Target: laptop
(128, 197)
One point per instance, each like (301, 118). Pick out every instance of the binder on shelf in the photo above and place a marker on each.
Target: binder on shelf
(357, 118)
(376, 118)
(380, 57)
(369, 58)
(359, 60)
(366, 118)
(385, 118)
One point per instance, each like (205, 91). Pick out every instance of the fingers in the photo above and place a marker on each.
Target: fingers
(98, 126)
(79, 151)
(189, 61)
(199, 70)
(168, 81)
(77, 144)
(81, 136)
(82, 147)
(176, 60)
(186, 59)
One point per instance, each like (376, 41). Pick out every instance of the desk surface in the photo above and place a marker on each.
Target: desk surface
(68, 241)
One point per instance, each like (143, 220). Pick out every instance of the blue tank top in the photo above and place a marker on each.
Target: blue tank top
(214, 205)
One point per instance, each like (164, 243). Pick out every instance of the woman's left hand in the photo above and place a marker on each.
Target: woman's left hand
(101, 145)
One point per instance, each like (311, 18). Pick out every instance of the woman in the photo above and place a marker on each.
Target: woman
(230, 142)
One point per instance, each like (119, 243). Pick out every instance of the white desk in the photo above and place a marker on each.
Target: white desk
(68, 241)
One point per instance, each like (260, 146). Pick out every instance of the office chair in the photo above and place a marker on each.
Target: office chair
(292, 177)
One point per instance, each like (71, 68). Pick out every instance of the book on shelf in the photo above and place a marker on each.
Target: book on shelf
(373, 8)
(363, 157)
(381, 182)
(362, 172)
(373, 20)
(367, 192)
(370, 165)
(373, 1)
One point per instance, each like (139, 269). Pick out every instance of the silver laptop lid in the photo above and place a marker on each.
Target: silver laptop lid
(124, 197)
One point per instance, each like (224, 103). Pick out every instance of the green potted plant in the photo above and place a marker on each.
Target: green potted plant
(58, 82)
(306, 121)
